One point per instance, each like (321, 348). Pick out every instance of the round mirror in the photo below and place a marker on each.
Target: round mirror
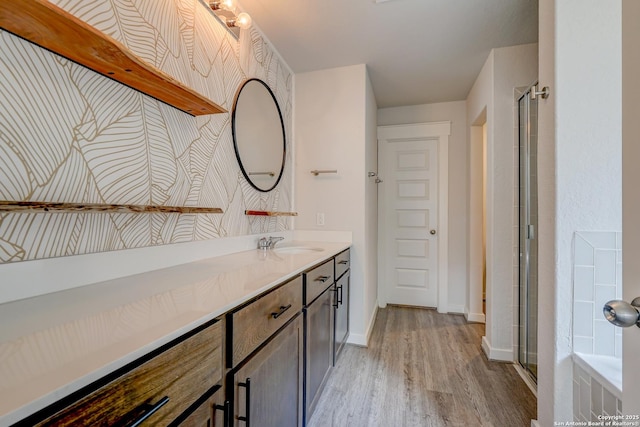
(258, 135)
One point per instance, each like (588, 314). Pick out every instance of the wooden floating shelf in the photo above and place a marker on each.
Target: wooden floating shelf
(52, 28)
(38, 207)
(270, 213)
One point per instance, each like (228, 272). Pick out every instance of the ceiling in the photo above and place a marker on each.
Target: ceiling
(416, 51)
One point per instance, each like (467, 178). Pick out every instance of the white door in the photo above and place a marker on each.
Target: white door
(630, 201)
(409, 215)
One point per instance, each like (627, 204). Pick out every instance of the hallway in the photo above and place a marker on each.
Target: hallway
(423, 368)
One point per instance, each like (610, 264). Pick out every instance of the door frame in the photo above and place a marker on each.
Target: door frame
(630, 201)
(439, 131)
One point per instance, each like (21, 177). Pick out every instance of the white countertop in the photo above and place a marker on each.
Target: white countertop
(52, 345)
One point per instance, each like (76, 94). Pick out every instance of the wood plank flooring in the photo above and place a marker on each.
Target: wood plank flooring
(423, 368)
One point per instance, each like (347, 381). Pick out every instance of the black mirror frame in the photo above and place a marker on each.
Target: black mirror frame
(235, 141)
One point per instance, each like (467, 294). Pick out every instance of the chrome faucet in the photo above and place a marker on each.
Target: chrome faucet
(269, 243)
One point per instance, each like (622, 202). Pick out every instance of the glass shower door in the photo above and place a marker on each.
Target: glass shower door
(528, 228)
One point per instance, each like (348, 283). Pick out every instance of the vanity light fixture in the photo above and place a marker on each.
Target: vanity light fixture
(225, 11)
(222, 4)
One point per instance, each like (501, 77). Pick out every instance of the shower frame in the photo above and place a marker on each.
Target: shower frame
(527, 231)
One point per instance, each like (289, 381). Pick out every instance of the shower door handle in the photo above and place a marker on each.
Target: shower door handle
(622, 314)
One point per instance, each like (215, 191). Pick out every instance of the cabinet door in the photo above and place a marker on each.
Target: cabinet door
(268, 387)
(341, 307)
(319, 347)
(210, 414)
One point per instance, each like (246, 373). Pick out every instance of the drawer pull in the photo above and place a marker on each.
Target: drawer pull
(226, 410)
(150, 410)
(343, 262)
(283, 308)
(322, 279)
(247, 400)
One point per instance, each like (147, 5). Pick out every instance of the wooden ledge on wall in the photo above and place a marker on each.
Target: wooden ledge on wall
(39, 207)
(54, 29)
(269, 213)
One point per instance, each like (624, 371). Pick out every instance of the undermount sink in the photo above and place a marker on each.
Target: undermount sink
(295, 249)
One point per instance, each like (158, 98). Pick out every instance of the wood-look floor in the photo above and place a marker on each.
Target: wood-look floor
(423, 368)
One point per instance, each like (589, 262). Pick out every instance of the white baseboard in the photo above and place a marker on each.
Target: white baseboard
(475, 317)
(457, 309)
(535, 423)
(499, 354)
(362, 340)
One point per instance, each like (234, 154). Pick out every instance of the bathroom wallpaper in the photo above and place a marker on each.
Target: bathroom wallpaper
(68, 134)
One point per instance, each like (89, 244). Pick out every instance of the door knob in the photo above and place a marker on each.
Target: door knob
(621, 313)
(433, 232)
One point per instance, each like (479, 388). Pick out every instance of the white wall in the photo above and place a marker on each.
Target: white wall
(478, 114)
(579, 167)
(546, 222)
(492, 98)
(456, 113)
(371, 206)
(335, 129)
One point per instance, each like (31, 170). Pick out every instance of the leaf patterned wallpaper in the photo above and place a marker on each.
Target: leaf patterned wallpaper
(68, 134)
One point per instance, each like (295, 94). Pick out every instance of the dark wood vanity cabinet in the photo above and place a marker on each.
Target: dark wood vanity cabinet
(341, 303)
(262, 364)
(266, 381)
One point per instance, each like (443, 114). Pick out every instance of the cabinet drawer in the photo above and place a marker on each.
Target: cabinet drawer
(317, 280)
(343, 262)
(256, 322)
(182, 373)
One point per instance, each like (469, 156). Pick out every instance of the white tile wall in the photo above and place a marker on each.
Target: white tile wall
(597, 279)
(591, 399)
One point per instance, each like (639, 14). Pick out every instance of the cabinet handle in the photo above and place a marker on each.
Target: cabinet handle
(283, 308)
(343, 262)
(340, 297)
(226, 410)
(322, 279)
(336, 304)
(247, 386)
(149, 410)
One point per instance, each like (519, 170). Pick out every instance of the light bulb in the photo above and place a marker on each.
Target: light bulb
(243, 21)
(228, 5)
